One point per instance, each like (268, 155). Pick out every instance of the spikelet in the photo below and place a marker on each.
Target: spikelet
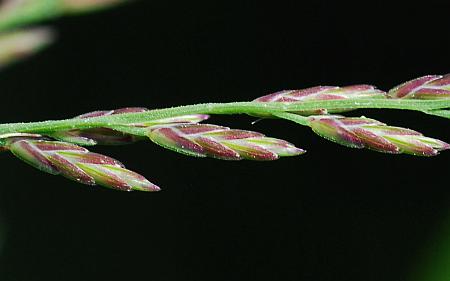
(106, 136)
(323, 93)
(77, 163)
(369, 133)
(205, 140)
(425, 87)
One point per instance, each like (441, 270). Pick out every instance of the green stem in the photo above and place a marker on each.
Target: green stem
(440, 113)
(251, 108)
(302, 120)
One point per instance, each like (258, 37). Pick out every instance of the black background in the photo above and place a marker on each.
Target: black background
(331, 214)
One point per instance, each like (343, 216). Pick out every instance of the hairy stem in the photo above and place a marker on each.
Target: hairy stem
(251, 108)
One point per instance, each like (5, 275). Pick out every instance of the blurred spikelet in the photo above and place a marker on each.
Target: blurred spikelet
(17, 45)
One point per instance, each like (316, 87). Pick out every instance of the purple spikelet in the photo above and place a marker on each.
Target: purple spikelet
(425, 87)
(77, 163)
(103, 136)
(372, 134)
(106, 136)
(323, 93)
(205, 140)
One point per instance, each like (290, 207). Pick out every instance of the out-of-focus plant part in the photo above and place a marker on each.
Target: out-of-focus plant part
(17, 13)
(17, 45)
(81, 6)
(179, 129)
(433, 263)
